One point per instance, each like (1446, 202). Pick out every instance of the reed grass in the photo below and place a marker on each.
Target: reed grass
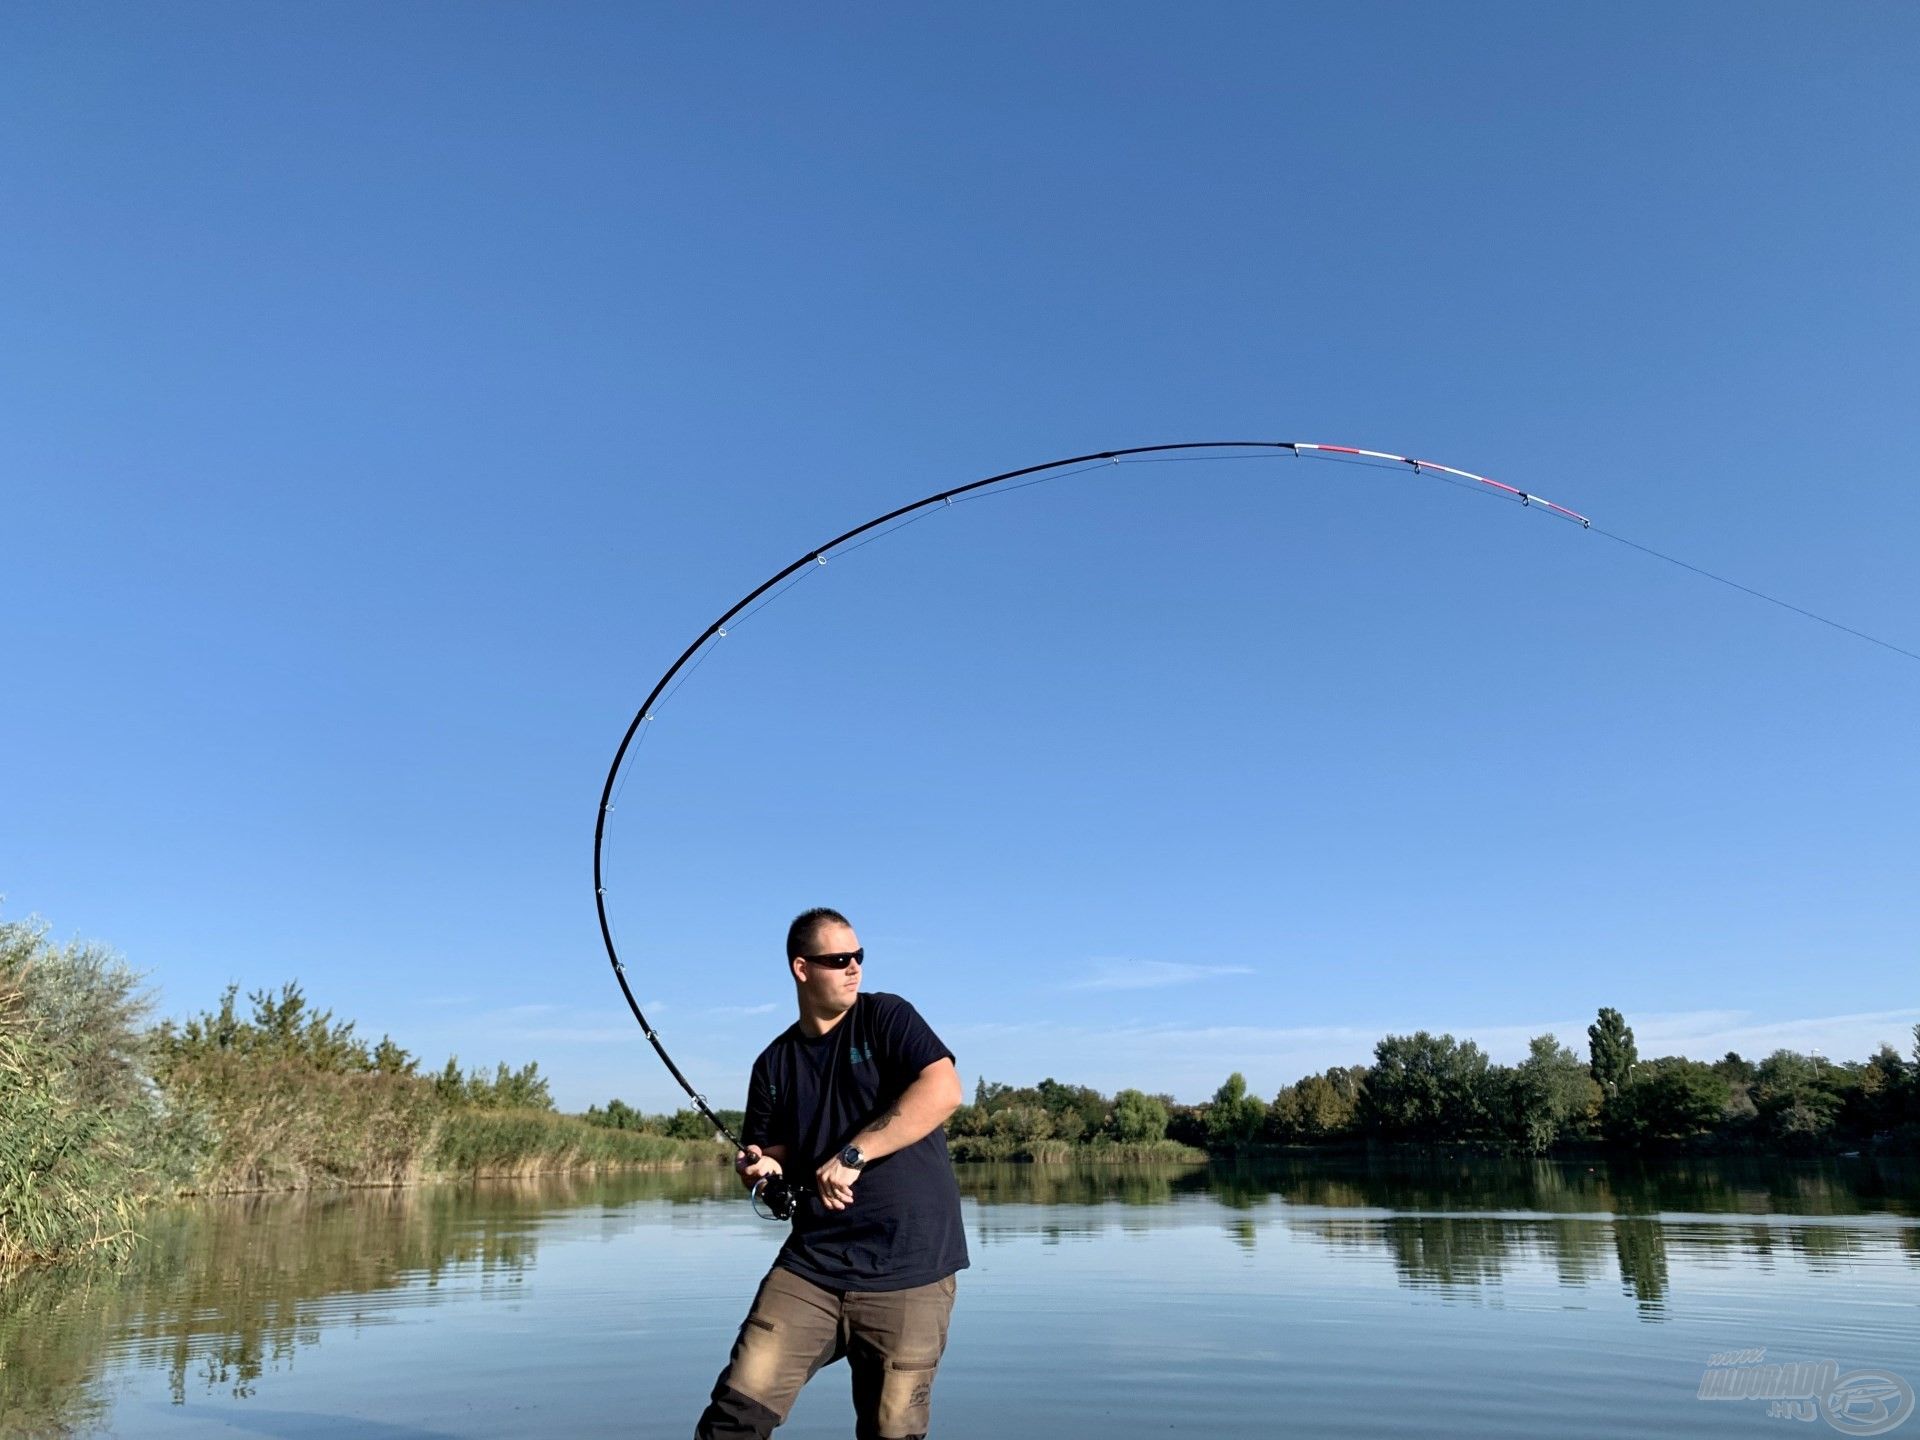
(67, 1180)
(285, 1125)
(532, 1142)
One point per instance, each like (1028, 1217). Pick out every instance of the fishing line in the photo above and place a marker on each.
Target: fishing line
(1759, 594)
(891, 529)
(862, 535)
(1043, 480)
(773, 597)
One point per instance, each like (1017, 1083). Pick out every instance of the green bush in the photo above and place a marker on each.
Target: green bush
(1138, 1118)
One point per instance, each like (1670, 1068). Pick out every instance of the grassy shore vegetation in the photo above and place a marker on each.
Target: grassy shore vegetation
(101, 1111)
(85, 1136)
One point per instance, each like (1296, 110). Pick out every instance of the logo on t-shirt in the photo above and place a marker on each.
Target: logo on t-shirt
(858, 1056)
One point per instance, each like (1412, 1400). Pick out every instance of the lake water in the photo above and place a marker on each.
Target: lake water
(1472, 1299)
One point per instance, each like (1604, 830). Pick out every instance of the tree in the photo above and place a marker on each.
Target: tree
(1235, 1117)
(1907, 1108)
(1318, 1107)
(967, 1120)
(1138, 1118)
(390, 1059)
(690, 1125)
(990, 1095)
(1076, 1109)
(1798, 1096)
(284, 1026)
(1611, 1051)
(1874, 1099)
(450, 1086)
(1024, 1123)
(1672, 1098)
(1551, 1094)
(505, 1089)
(1186, 1124)
(522, 1089)
(1737, 1070)
(289, 1028)
(617, 1116)
(1426, 1087)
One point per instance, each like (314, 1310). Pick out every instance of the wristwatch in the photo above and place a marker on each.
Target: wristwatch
(852, 1158)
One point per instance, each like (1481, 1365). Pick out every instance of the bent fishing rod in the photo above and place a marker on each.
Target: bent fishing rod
(780, 1197)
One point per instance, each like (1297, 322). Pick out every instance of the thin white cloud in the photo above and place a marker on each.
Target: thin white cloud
(1149, 974)
(730, 1010)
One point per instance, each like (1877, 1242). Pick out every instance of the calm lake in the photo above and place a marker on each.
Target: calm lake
(1458, 1298)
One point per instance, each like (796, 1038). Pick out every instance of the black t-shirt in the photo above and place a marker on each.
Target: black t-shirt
(813, 1095)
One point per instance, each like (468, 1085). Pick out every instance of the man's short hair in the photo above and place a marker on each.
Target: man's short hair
(804, 933)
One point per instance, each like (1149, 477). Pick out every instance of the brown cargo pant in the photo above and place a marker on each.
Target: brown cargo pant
(892, 1341)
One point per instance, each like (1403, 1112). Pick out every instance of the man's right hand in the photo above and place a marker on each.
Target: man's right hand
(754, 1165)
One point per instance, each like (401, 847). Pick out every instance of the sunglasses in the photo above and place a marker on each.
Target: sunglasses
(839, 961)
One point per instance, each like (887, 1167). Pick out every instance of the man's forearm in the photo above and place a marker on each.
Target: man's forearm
(921, 1109)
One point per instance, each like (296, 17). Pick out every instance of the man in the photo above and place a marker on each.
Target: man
(848, 1105)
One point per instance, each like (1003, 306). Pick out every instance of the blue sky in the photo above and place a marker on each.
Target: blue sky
(392, 392)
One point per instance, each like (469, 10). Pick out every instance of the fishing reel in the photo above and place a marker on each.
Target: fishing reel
(780, 1196)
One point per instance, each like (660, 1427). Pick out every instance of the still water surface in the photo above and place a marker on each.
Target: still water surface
(1469, 1299)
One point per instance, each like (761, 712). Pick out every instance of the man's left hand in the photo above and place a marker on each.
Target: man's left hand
(834, 1183)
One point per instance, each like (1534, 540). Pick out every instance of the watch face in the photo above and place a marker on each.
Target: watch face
(851, 1157)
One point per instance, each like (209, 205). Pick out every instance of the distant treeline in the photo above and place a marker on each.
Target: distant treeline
(1433, 1089)
(1021, 1126)
(100, 1112)
(682, 1124)
(1052, 1121)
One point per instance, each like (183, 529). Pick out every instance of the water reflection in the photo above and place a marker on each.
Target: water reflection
(1459, 1225)
(221, 1291)
(225, 1293)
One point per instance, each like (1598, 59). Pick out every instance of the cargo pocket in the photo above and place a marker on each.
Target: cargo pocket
(906, 1398)
(760, 1369)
